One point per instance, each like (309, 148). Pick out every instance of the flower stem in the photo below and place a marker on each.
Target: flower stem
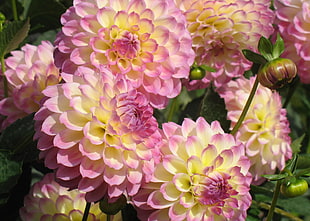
(274, 201)
(86, 211)
(14, 10)
(172, 109)
(5, 81)
(246, 107)
(108, 217)
(277, 210)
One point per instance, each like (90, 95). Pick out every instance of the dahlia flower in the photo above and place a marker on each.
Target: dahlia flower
(265, 129)
(29, 71)
(47, 200)
(98, 133)
(145, 40)
(220, 29)
(292, 18)
(203, 175)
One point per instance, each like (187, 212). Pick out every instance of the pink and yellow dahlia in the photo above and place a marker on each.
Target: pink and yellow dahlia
(98, 133)
(203, 175)
(265, 129)
(47, 200)
(220, 29)
(293, 20)
(29, 71)
(145, 40)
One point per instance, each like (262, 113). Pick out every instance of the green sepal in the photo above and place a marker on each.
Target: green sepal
(274, 177)
(254, 57)
(265, 47)
(278, 47)
(207, 68)
(291, 165)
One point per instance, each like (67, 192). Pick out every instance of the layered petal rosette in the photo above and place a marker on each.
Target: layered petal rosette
(220, 29)
(47, 200)
(29, 71)
(265, 129)
(98, 133)
(203, 175)
(145, 40)
(293, 20)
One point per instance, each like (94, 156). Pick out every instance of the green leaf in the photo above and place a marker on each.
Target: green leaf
(303, 161)
(291, 164)
(275, 176)
(213, 108)
(12, 35)
(295, 205)
(278, 47)
(265, 48)
(18, 137)
(10, 170)
(296, 144)
(305, 172)
(112, 208)
(129, 213)
(45, 18)
(192, 109)
(254, 57)
(207, 68)
(268, 191)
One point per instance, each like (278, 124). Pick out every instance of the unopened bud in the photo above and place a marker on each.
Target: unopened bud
(197, 73)
(276, 73)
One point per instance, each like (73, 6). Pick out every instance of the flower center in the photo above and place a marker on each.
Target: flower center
(213, 190)
(135, 114)
(128, 46)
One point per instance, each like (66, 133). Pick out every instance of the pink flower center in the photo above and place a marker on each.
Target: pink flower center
(214, 190)
(135, 114)
(127, 46)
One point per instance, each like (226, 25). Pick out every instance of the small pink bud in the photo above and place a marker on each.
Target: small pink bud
(276, 73)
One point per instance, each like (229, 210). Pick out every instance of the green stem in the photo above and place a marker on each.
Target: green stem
(277, 210)
(14, 10)
(108, 217)
(246, 108)
(172, 108)
(274, 201)
(86, 211)
(5, 81)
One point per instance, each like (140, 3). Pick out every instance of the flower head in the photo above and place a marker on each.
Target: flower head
(47, 200)
(265, 129)
(29, 71)
(220, 29)
(98, 133)
(145, 40)
(203, 175)
(292, 18)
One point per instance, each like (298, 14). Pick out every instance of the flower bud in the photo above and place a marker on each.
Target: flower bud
(197, 73)
(292, 187)
(276, 73)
